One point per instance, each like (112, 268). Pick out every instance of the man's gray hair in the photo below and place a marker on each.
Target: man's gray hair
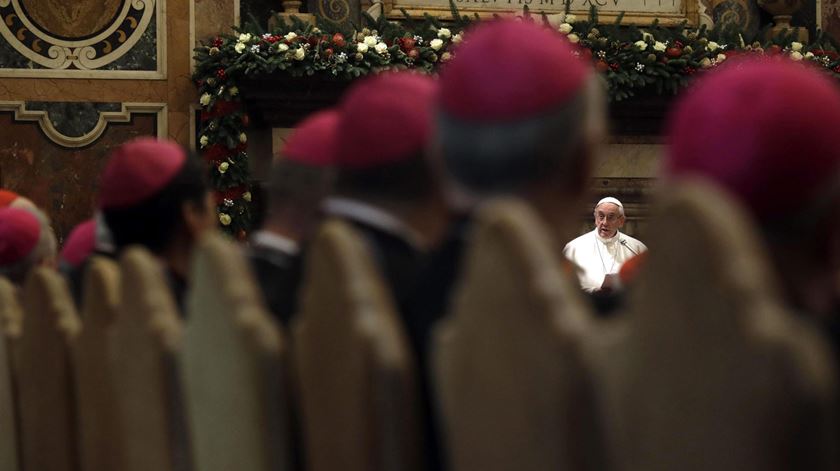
(488, 158)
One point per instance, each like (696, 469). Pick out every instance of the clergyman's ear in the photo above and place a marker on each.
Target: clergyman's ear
(198, 218)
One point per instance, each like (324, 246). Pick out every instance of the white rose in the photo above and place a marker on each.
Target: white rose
(570, 18)
(795, 46)
(283, 47)
(565, 28)
(641, 45)
(239, 47)
(224, 219)
(796, 55)
(204, 141)
(381, 48)
(573, 38)
(290, 36)
(809, 55)
(712, 46)
(705, 63)
(436, 44)
(246, 196)
(223, 167)
(362, 47)
(243, 138)
(244, 37)
(720, 58)
(457, 38)
(300, 54)
(205, 99)
(444, 33)
(370, 41)
(234, 91)
(659, 46)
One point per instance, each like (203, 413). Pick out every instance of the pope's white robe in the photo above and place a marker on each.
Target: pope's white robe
(598, 257)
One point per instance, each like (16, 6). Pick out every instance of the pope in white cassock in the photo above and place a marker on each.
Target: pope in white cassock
(599, 254)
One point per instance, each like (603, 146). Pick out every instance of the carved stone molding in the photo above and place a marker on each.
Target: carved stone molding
(122, 114)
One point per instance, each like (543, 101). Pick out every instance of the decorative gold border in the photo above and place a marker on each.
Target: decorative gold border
(819, 14)
(105, 117)
(691, 13)
(159, 74)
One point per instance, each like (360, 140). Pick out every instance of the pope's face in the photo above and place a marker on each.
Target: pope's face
(608, 219)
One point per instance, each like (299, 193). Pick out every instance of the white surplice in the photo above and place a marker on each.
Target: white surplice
(598, 257)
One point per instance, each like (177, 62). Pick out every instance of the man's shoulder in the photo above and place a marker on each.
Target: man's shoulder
(636, 243)
(578, 240)
(269, 257)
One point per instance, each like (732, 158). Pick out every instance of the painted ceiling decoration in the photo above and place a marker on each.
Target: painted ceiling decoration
(82, 34)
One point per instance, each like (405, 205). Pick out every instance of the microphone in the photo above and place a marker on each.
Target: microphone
(624, 243)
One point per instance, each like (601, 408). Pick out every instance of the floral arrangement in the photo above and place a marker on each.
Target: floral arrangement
(632, 60)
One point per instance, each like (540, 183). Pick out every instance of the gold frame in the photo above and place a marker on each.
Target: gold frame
(159, 74)
(691, 13)
(105, 117)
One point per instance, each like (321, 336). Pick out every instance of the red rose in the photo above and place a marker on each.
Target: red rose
(338, 40)
(414, 54)
(328, 53)
(673, 52)
(601, 66)
(313, 40)
(407, 44)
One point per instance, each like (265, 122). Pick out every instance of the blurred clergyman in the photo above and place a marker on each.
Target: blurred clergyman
(600, 253)
(26, 241)
(512, 121)
(299, 182)
(154, 194)
(775, 153)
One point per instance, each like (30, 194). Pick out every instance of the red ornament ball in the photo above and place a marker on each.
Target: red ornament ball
(601, 66)
(338, 40)
(414, 54)
(328, 53)
(673, 52)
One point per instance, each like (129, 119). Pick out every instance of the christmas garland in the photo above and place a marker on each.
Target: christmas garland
(632, 60)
